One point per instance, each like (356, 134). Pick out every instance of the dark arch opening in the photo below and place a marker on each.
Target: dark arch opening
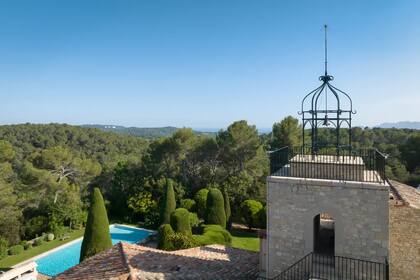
(324, 234)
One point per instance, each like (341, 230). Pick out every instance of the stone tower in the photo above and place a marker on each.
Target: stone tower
(326, 200)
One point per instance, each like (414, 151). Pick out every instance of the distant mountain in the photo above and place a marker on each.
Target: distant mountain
(146, 132)
(409, 125)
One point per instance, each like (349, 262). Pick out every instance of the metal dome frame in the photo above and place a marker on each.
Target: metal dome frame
(316, 118)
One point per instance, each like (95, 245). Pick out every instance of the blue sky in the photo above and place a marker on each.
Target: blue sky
(203, 64)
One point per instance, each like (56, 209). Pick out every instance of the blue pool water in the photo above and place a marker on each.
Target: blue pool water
(60, 260)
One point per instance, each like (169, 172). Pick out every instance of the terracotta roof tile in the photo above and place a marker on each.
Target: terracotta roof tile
(129, 261)
(208, 262)
(109, 264)
(407, 193)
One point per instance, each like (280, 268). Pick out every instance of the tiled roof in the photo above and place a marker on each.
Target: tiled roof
(110, 264)
(129, 261)
(408, 194)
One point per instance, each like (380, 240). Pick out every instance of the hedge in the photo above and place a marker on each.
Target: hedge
(16, 250)
(27, 246)
(182, 241)
(180, 221)
(214, 234)
(39, 241)
(169, 240)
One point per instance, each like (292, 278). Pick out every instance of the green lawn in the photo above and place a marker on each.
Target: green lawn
(12, 260)
(244, 239)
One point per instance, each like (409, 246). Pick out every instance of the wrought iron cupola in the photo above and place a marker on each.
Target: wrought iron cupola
(326, 107)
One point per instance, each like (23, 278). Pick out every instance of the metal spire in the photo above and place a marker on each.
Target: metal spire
(326, 50)
(336, 114)
(326, 74)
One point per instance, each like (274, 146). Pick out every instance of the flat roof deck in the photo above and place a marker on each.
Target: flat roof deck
(327, 159)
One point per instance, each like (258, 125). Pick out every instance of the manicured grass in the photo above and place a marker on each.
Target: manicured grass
(245, 239)
(32, 252)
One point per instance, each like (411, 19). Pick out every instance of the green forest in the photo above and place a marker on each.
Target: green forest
(48, 171)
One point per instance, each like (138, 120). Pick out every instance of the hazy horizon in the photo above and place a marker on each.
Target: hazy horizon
(204, 129)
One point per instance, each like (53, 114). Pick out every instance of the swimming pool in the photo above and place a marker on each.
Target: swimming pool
(68, 256)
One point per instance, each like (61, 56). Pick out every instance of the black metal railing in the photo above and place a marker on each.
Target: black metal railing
(316, 266)
(342, 163)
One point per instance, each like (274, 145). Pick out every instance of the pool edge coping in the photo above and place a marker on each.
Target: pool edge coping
(68, 244)
(48, 252)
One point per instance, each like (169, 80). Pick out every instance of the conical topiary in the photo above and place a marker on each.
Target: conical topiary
(97, 237)
(168, 203)
(215, 208)
(227, 209)
(164, 237)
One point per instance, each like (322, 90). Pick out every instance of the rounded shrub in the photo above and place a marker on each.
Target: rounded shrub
(201, 202)
(16, 250)
(250, 212)
(214, 234)
(27, 246)
(97, 237)
(58, 230)
(194, 220)
(215, 208)
(180, 221)
(188, 204)
(50, 237)
(164, 235)
(3, 247)
(39, 241)
(168, 203)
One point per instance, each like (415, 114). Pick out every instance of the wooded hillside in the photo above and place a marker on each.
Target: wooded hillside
(47, 171)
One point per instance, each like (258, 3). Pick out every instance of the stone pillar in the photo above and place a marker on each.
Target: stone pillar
(262, 234)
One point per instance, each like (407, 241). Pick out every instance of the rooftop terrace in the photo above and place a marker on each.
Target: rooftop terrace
(331, 163)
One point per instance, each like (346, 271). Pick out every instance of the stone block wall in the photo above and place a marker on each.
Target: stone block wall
(360, 211)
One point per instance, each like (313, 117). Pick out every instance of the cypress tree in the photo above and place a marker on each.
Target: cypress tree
(168, 203)
(201, 201)
(215, 208)
(227, 209)
(97, 237)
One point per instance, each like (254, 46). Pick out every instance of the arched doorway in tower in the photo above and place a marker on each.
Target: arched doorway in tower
(324, 234)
